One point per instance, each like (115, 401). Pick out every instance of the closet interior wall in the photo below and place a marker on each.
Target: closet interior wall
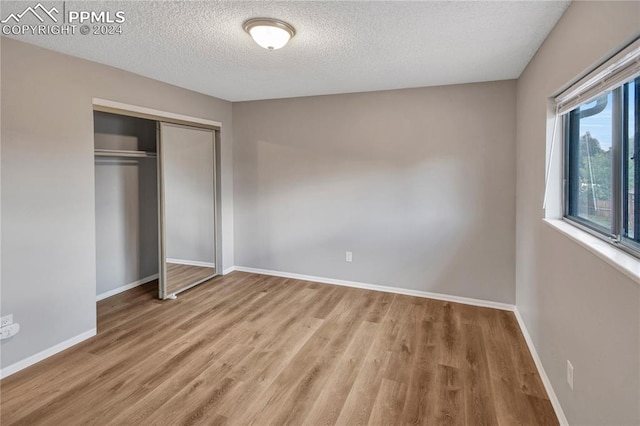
(126, 204)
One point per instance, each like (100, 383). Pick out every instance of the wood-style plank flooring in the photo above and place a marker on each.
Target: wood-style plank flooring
(180, 276)
(252, 349)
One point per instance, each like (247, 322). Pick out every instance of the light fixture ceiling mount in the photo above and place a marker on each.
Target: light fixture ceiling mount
(269, 33)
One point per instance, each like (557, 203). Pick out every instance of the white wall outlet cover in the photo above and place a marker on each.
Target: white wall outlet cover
(9, 331)
(349, 256)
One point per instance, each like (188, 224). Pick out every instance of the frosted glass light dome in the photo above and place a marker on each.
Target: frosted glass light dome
(271, 34)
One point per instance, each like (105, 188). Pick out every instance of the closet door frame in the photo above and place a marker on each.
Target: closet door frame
(163, 293)
(162, 240)
(137, 111)
(153, 114)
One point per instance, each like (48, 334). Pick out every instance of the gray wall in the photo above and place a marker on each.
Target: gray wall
(126, 203)
(48, 210)
(419, 184)
(575, 305)
(188, 168)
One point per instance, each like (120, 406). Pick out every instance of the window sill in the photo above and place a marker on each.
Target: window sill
(617, 258)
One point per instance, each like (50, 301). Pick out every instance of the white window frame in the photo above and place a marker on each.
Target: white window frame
(619, 69)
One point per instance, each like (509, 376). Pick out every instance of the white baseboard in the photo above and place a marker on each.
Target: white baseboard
(191, 263)
(20, 365)
(126, 287)
(408, 292)
(229, 270)
(543, 375)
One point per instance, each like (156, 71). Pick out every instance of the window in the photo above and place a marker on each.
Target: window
(600, 115)
(602, 137)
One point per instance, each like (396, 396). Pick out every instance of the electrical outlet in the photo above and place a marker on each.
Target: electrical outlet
(6, 320)
(349, 257)
(9, 331)
(570, 374)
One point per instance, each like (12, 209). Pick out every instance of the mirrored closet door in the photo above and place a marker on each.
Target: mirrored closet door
(187, 201)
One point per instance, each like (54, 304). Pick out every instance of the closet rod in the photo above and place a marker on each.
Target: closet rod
(123, 153)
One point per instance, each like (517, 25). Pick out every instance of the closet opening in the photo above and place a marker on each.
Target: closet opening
(126, 201)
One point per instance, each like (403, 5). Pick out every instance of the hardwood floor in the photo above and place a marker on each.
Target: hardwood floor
(252, 349)
(180, 276)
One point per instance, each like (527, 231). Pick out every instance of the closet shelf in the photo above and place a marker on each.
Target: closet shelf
(123, 153)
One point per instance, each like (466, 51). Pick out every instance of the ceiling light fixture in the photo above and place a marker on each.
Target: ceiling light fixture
(269, 33)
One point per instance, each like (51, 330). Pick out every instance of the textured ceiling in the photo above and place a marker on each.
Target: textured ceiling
(339, 47)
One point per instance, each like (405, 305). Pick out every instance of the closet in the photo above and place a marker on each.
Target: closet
(155, 186)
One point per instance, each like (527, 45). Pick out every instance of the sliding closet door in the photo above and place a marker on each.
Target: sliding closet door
(187, 207)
